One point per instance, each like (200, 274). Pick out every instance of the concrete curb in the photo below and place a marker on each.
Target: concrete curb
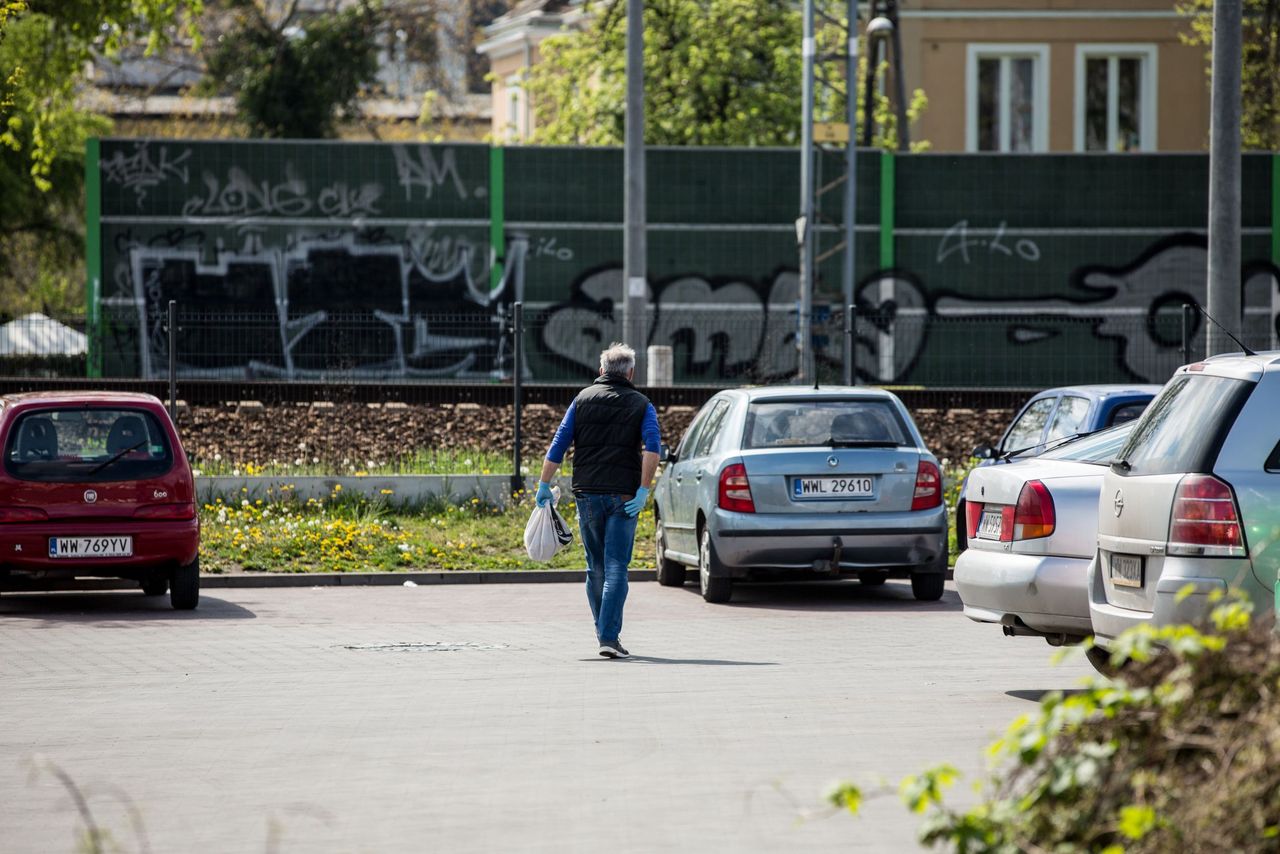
(377, 579)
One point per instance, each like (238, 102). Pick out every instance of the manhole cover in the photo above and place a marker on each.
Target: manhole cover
(429, 646)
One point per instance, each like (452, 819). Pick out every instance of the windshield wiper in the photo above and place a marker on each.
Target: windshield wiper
(117, 457)
(861, 443)
(1048, 446)
(1121, 463)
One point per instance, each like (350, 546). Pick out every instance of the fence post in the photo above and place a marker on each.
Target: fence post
(1188, 314)
(517, 358)
(173, 361)
(850, 345)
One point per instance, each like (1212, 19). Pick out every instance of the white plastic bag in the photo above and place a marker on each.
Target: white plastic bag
(546, 532)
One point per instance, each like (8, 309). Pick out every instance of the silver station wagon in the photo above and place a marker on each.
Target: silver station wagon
(790, 483)
(1191, 505)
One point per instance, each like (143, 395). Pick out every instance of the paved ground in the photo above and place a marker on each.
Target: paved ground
(289, 720)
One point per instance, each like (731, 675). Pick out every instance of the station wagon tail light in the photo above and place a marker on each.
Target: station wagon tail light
(1033, 516)
(735, 491)
(1204, 521)
(22, 514)
(928, 493)
(165, 511)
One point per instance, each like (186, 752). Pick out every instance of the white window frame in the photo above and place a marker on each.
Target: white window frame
(1040, 109)
(1148, 53)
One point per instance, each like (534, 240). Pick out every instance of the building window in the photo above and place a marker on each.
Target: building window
(1007, 98)
(1115, 97)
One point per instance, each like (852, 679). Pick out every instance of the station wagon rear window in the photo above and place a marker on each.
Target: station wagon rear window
(1183, 429)
(86, 446)
(801, 423)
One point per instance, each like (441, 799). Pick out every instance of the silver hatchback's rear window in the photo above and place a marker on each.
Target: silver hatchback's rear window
(87, 445)
(798, 423)
(1183, 428)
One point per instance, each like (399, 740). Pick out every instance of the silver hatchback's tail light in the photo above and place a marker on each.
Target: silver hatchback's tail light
(1205, 522)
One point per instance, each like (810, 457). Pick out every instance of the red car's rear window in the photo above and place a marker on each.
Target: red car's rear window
(88, 445)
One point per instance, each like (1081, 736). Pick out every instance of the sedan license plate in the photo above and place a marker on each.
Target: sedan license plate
(1126, 570)
(832, 487)
(991, 526)
(83, 547)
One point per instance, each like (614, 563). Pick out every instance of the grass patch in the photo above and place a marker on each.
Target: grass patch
(421, 461)
(344, 534)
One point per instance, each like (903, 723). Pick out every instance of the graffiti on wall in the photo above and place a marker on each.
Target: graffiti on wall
(732, 329)
(287, 267)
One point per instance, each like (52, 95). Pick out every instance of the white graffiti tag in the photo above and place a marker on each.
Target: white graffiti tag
(241, 196)
(957, 240)
(140, 172)
(422, 171)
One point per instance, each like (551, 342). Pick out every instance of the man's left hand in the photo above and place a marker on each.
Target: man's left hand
(635, 505)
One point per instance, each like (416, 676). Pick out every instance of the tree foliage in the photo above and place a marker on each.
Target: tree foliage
(291, 74)
(717, 72)
(44, 48)
(1260, 72)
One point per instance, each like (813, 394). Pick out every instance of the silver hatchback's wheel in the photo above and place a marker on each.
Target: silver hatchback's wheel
(715, 587)
(670, 573)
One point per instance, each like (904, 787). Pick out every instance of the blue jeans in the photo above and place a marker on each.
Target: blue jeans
(608, 534)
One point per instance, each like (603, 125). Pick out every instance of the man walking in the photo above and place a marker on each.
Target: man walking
(607, 424)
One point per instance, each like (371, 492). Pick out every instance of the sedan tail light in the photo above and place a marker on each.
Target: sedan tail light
(1205, 522)
(1033, 517)
(22, 514)
(928, 493)
(166, 511)
(735, 490)
(972, 516)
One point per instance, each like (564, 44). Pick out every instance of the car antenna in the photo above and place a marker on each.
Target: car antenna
(1246, 350)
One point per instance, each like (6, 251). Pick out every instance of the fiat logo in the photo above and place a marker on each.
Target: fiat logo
(1119, 502)
(90, 496)
(833, 461)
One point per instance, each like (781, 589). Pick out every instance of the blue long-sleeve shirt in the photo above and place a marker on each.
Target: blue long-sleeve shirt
(564, 434)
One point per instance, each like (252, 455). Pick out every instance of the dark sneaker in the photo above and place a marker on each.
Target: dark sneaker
(613, 649)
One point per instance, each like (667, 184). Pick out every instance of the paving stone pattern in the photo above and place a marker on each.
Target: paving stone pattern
(479, 717)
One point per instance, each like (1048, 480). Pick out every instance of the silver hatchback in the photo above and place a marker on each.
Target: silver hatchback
(1191, 505)
(788, 482)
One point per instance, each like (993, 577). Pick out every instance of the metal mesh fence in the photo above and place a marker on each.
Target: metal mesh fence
(709, 346)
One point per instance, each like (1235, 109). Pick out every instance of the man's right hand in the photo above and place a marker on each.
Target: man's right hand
(544, 493)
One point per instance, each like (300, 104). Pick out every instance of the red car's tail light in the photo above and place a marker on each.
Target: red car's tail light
(972, 516)
(1205, 521)
(735, 490)
(166, 511)
(928, 493)
(1033, 517)
(22, 514)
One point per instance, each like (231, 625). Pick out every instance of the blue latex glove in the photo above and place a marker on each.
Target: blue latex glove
(635, 505)
(544, 493)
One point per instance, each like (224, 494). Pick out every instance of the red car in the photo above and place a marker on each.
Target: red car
(97, 484)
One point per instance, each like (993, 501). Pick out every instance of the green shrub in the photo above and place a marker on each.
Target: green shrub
(1180, 753)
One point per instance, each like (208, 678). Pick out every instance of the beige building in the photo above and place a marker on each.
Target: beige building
(1000, 75)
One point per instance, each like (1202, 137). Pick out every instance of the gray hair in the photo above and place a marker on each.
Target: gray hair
(618, 359)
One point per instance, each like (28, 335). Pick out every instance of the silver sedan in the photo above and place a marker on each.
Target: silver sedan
(789, 483)
(1032, 529)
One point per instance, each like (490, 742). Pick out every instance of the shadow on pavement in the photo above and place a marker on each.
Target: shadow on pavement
(114, 606)
(714, 662)
(1037, 696)
(848, 595)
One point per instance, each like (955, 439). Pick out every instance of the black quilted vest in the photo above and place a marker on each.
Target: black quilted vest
(607, 416)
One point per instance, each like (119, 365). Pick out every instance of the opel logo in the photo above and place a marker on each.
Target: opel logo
(1119, 502)
(833, 461)
(90, 496)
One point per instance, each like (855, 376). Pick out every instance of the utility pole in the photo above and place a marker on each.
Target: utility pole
(1224, 179)
(634, 246)
(806, 225)
(849, 273)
